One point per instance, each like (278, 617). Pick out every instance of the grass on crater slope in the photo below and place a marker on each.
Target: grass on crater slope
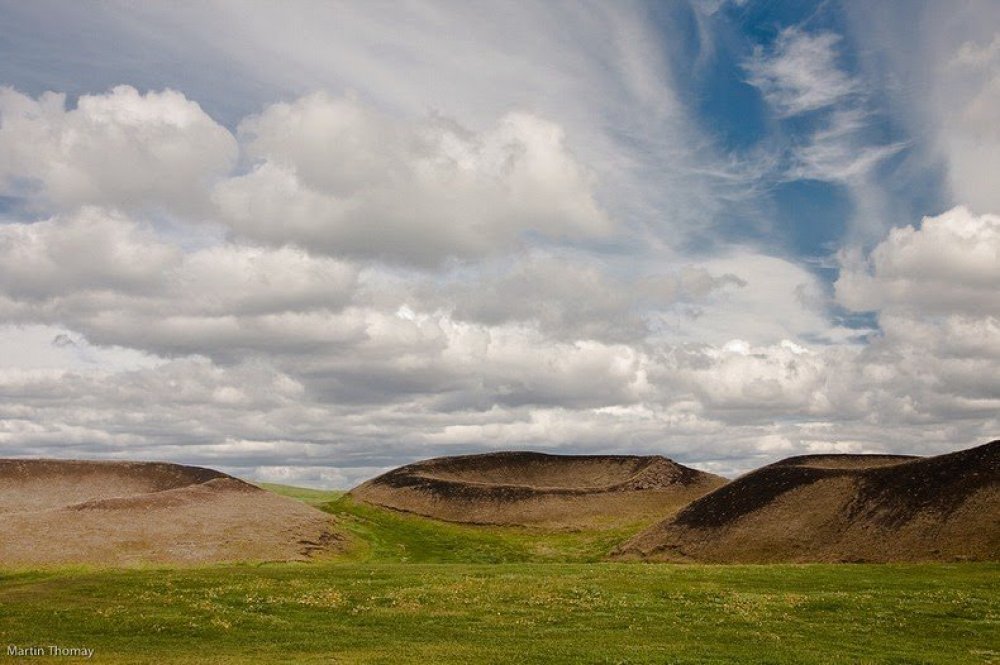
(388, 536)
(380, 535)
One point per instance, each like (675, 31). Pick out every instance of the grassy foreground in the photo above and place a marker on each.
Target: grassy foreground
(412, 590)
(511, 613)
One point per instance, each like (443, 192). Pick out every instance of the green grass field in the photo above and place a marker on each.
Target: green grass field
(412, 590)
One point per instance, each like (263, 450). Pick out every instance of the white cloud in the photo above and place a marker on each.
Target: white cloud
(939, 68)
(837, 152)
(118, 282)
(308, 476)
(299, 362)
(971, 54)
(791, 296)
(784, 377)
(800, 72)
(39, 347)
(568, 297)
(934, 289)
(951, 264)
(121, 148)
(339, 178)
(836, 132)
(969, 114)
(245, 280)
(91, 250)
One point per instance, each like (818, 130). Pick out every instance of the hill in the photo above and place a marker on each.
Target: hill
(526, 488)
(841, 508)
(115, 513)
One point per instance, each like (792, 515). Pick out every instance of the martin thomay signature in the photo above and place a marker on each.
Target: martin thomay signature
(49, 650)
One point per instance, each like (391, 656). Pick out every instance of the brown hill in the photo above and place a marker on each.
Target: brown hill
(841, 508)
(115, 513)
(524, 488)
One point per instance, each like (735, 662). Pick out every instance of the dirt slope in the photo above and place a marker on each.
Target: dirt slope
(115, 513)
(523, 488)
(841, 508)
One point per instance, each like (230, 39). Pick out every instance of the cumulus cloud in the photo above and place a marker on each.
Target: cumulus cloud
(120, 283)
(288, 360)
(950, 265)
(121, 148)
(792, 296)
(780, 378)
(725, 408)
(283, 361)
(337, 177)
(232, 303)
(569, 297)
(91, 250)
(934, 289)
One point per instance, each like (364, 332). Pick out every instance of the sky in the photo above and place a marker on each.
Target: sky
(305, 242)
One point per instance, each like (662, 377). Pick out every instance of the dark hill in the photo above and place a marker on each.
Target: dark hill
(533, 488)
(841, 508)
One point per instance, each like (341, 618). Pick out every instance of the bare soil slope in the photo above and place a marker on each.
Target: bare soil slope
(841, 508)
(523, 488)
(114, 513)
